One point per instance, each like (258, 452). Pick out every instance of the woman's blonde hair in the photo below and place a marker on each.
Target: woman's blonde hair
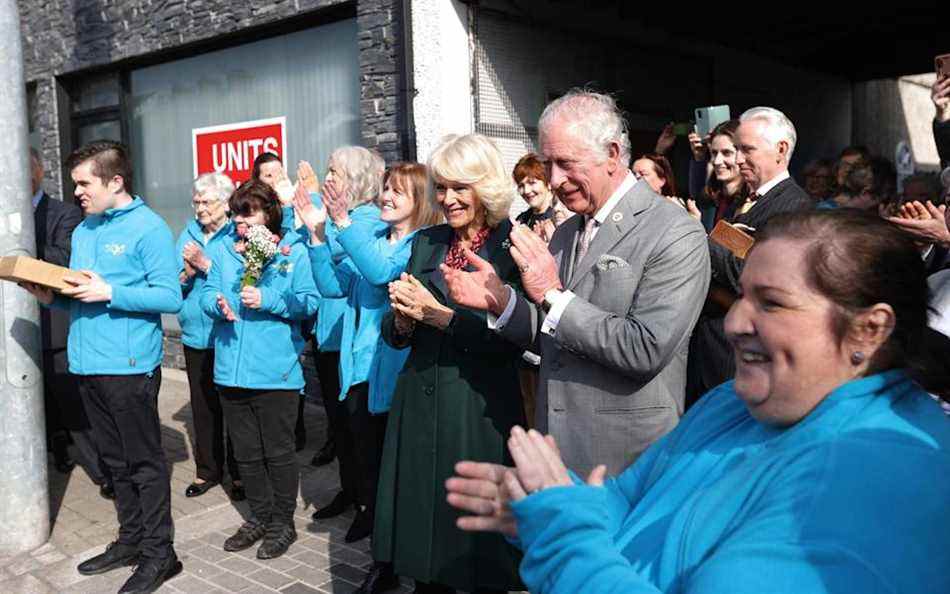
(475, 161)
(363, 170)
(412, 179)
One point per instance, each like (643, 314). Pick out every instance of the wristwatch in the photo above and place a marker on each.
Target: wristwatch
(550, 296)
(344, 223)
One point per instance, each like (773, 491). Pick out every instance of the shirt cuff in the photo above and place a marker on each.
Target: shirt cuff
(501, 321)
(549, 326)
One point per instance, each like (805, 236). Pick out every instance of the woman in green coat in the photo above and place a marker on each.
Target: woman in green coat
(458, 395)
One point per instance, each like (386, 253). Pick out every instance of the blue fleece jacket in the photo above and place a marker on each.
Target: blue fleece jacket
(261, 349)
(329, 327)
(852, 498)
(362, 277)
(196, 325)
(132, 249)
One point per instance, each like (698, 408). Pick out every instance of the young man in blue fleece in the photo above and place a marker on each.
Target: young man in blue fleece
(128, 278)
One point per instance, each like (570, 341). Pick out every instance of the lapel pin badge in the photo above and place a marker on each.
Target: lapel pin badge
(617, 217)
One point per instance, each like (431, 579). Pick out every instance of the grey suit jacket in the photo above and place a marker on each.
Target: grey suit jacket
(613, 376)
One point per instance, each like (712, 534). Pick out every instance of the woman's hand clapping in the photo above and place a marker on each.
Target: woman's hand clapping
(487, 490)
(409, 297)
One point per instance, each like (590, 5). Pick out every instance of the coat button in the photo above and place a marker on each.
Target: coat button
(430, 390)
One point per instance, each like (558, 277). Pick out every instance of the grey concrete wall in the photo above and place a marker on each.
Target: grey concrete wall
(63, 37)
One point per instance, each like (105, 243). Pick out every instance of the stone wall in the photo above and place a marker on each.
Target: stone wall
(65, 37)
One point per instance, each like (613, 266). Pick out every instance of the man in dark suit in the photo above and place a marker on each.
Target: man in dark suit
(765, 141)
(54, 222)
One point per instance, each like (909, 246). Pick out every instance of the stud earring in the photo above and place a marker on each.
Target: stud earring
(857, 358)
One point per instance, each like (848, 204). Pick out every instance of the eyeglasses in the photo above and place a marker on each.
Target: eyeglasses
(203, 204)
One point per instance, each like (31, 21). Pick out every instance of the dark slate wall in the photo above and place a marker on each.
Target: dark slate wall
(62, 37)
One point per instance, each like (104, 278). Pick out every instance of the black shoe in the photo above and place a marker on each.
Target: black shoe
(339, 505)
(361, 527)
(276, 542)
(107, 491)
(196, 489)
(64, 465)
(245, 537)
(237, 493)
(115, 555)
(325, 455)
(379, 579)
(151, 574)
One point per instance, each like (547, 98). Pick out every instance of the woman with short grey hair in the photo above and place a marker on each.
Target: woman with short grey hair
(210, 193)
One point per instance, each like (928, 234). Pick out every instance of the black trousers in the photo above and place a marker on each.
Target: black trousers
(328, 372)
(261, 423)
(123, 413)
(362, 446)
(66, 416)
(210, 435)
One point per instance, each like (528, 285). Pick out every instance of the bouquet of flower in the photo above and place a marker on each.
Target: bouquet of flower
(260, 247)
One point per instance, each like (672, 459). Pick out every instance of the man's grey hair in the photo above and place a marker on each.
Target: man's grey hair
(593, 117)
(778, 126)
(216, 185)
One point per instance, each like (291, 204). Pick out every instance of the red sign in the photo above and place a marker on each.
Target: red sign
(232, 148)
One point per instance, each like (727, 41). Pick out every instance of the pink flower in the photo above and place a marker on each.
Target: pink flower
(285, 250)
(239, 246)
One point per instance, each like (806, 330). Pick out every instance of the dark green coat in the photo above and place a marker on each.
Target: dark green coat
(456, 399)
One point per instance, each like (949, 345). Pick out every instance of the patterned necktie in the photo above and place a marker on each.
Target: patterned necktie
(583, 242)
(748, 204)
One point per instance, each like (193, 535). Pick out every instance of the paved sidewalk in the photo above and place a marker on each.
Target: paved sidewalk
(83, 523)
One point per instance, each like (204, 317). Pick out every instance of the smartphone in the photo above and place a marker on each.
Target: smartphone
(942, 65)
(707, 118)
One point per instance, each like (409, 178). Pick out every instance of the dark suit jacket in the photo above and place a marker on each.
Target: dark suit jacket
(786, 196)
(54, 222)
(711, 359)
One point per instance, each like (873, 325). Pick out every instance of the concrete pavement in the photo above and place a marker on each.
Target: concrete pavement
(83, 523)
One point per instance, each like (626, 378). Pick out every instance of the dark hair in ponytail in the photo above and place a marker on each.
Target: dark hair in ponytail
(856, 259)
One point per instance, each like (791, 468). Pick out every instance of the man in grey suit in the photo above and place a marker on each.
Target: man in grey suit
(610, 302)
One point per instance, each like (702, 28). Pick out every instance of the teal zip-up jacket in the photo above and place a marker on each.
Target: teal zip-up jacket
(852, 498)
(261, 349)
(329, 327)
(363, 277)
(133, 250)
(196, 325)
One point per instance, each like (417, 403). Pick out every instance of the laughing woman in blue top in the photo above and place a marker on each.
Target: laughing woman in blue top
(368, 366)
(257, 346)
(824, 467)
(210, 195)
(355, 175)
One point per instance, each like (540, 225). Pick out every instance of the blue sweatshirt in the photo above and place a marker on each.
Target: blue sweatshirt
(133, 250)
(362, 277)
(329, 327)
(853, 498)
(195, 324)
(261, 349)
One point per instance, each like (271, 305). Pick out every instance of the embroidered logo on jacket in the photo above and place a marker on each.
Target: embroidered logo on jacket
(116, 249)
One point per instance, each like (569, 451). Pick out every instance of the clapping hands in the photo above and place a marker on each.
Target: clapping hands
(925, 222)
(487, 490)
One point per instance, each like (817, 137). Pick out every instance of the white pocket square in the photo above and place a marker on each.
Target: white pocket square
(608, 262)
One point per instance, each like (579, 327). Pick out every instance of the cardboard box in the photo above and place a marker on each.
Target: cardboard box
(732, 238)
(31, 270)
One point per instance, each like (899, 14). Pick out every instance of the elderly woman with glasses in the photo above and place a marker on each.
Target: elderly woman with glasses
(210, 195)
